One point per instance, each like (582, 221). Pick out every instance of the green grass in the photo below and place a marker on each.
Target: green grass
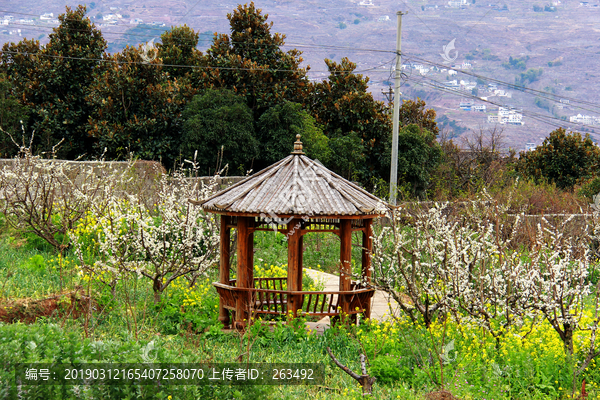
(185, 328)
(26, 271)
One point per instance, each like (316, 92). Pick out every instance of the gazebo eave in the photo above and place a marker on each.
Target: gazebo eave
(300, 216)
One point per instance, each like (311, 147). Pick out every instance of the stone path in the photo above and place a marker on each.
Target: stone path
(380, 306)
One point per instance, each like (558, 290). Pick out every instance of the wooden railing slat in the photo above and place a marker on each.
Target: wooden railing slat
(266, 299)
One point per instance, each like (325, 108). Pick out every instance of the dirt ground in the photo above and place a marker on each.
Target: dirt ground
(71, 304)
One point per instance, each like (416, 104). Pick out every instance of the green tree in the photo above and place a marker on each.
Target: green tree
(219, 126)
(250, 62)
(53, 81)
(11, 115)
(529, 76)
(136, 108)
(414, 112)
(348, 155)
(418, 156)
(563, 158)
(344, 107)
(277, 129)
(178, 47)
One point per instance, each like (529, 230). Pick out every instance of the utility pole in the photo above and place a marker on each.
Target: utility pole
(394, 170)
(389, 95)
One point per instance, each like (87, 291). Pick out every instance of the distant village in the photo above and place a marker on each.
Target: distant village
(479, 96)
(500, 114)
(10, 25)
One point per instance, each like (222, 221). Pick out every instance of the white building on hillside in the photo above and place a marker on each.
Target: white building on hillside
(507, 116)
(585, 119)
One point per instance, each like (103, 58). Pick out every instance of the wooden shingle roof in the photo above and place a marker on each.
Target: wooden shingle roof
(295, 185)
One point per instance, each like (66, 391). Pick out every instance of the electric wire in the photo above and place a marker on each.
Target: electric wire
(510, 85)
(109, 60)
(534, 115)
(308, 45)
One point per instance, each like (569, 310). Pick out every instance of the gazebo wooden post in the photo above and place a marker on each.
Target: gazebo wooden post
(294, 278)
(367, 244)
(345, 262)
(250, 267)
(224, 266)
(300, 264)
(245, 271)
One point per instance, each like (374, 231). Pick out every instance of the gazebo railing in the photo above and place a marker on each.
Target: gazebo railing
(275, 301)
(266, 283)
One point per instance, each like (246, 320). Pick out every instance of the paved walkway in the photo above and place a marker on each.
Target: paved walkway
(381, 305)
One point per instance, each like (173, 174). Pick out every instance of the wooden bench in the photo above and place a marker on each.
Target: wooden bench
(272, 301)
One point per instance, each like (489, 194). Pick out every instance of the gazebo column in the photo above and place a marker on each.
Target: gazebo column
(294, 277)
(245, 271)
(300, 262)
(225, 235)
(345, 261)
(367, 244)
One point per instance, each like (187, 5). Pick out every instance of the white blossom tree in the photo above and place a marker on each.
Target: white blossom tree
(160, 242)
(472, 264)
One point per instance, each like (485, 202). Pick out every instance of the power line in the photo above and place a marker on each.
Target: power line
(417, 15)
(258, 69)
(439, 86)
(35, 28)
(510, 85)
(546, 95)
(331, 47)
(144, 26)
(537, 116)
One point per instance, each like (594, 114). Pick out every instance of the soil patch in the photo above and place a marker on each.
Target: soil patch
(71, 304)
(441, 395)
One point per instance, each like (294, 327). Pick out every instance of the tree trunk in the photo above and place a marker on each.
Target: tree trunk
(157, 289)
(568, 339)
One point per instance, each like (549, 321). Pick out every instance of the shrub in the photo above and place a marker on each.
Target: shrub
(563, 158)
(589, 187)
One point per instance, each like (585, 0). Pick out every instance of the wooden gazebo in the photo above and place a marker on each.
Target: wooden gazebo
(294, 196)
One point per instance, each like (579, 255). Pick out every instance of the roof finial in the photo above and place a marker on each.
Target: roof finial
(297, 146)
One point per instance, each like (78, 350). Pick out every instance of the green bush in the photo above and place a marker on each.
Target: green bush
(563, 158)
(389, 369)
(590, 188)
(36, 263)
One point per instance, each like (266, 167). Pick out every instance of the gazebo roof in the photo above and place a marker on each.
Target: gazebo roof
(295, 185)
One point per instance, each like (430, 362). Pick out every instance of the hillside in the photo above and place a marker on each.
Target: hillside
(563, 41)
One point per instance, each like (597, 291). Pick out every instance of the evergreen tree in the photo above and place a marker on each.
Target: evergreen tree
(563, 158)
(136, 108)
(53, 81)
(352, 118)
(250, 62)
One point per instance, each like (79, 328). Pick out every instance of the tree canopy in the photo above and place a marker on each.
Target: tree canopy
(53, 81)
(250, 61)
(219, 127)
(343, 106)
(563, 158)
(135, 109)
